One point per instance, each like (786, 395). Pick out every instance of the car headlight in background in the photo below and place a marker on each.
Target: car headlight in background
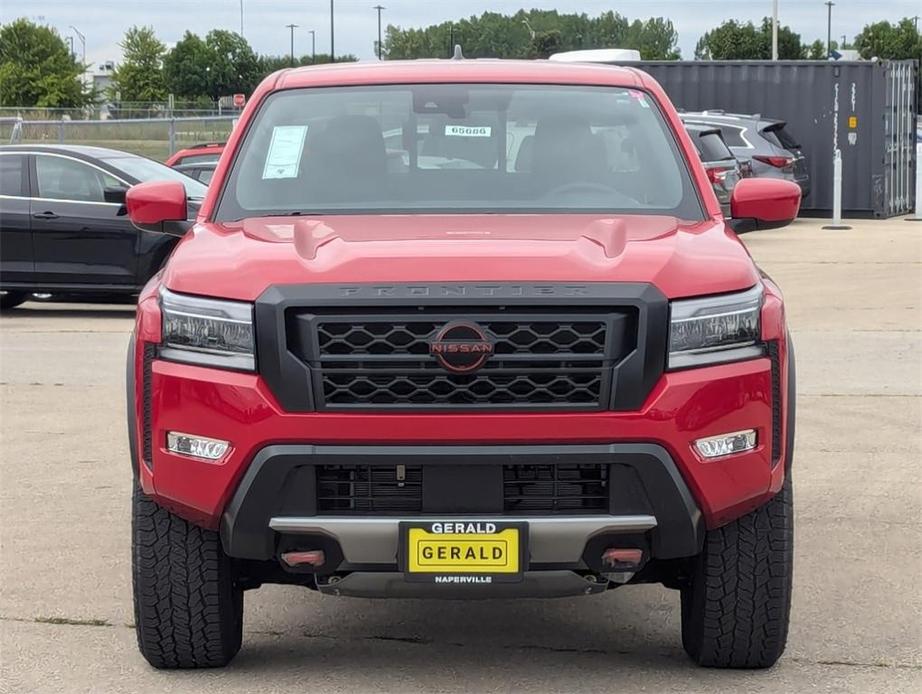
(715, 329)
(207, 332)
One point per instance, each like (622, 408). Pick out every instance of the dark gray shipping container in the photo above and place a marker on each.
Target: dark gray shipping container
(867, 109)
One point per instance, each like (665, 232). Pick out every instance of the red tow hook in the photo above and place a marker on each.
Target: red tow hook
(615, 559)
(312, 557)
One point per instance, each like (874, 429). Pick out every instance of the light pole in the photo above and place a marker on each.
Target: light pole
(829, 4)
(313, 46)
(82, 43)
(379, 8)
(241, 18)
(332, 33)
(774, 29)
(292, 28)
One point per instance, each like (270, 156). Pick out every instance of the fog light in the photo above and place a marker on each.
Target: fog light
(196, 446)
(727, 444)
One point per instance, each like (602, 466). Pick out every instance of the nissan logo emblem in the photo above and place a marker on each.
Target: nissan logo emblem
(461, 347)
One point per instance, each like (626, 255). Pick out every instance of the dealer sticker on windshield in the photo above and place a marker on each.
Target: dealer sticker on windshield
(285, 148)
(463, 552)
(468, 131)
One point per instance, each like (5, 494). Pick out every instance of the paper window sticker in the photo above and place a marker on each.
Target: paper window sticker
(284, 157)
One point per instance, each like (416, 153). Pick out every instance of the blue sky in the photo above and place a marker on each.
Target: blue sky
(105, 21)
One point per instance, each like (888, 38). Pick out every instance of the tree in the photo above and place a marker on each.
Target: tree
(544, 44)
(185, 68)
(890, 41)
(36, 69)
(734, 40)
(533, 33)
(234, 65)
(139, 77)
(817, 50)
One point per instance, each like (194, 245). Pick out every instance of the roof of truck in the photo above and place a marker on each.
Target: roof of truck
(464, 70)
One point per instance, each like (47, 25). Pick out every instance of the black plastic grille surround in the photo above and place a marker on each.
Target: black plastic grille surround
(555, 346)
(540, 358)
(572, 489)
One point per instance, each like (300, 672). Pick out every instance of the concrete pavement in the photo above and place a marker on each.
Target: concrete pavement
(855, 307)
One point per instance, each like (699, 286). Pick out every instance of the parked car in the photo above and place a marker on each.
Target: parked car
(199, 170)
(206, 152)
(764, 144)
(723, 169)
(384, 376)
(63, 224)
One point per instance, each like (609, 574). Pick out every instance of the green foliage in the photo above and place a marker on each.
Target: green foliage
(817, 50)
(271, 63)
(139, 77)
(36, 69)
(533, 33)
(890, 41)
(185, 68)
(734, 40)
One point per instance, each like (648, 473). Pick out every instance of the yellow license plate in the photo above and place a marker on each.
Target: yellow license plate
(455, 548)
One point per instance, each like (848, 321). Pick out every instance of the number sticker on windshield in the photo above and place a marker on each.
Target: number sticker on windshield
(468, 131)
(284, 157)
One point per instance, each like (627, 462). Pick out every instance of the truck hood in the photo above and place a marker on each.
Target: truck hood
(240, 260)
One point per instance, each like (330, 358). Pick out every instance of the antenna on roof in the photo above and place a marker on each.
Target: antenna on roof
(458, 54)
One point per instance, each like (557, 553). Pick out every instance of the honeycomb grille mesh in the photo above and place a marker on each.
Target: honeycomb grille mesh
(538, 360)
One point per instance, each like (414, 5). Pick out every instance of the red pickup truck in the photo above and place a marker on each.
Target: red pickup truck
(461, 329)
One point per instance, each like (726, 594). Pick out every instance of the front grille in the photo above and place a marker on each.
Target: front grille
(356, 490)
(539, 359)
(369, 489)
(571, 489)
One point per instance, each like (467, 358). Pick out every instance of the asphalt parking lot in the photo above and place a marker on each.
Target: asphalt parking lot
(855, 308)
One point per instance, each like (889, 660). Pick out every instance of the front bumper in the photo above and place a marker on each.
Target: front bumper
(276, 503)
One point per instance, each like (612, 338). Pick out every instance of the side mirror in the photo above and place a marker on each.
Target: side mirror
(114, 195)
(763, 203)
(157, 205)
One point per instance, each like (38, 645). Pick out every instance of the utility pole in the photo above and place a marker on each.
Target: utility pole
(83, 45)
(292, 28)
(829, 4)
(332, 36)
(313, 46)
(451, 38)
(774, 29)
(379, 8)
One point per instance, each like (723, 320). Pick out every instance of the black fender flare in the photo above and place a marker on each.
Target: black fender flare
(790, 422)
(130, 390)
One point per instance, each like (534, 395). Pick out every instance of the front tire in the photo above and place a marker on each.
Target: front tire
(736, 610)
(188, 609)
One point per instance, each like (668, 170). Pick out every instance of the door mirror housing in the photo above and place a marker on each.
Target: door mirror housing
(115, 195)
(763, 203)
(158, 206)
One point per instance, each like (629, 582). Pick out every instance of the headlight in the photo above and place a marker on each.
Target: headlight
(208, 332)
(715, 329)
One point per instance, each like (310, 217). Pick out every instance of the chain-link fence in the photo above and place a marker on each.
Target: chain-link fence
(156, 138)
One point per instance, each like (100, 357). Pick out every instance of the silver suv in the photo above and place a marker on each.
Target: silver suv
(762, 144)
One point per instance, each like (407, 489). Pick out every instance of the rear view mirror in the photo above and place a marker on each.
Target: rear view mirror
(158, 206)
(763, 203)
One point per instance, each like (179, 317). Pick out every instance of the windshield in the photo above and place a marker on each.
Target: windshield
(150, 170)
(458, 148)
